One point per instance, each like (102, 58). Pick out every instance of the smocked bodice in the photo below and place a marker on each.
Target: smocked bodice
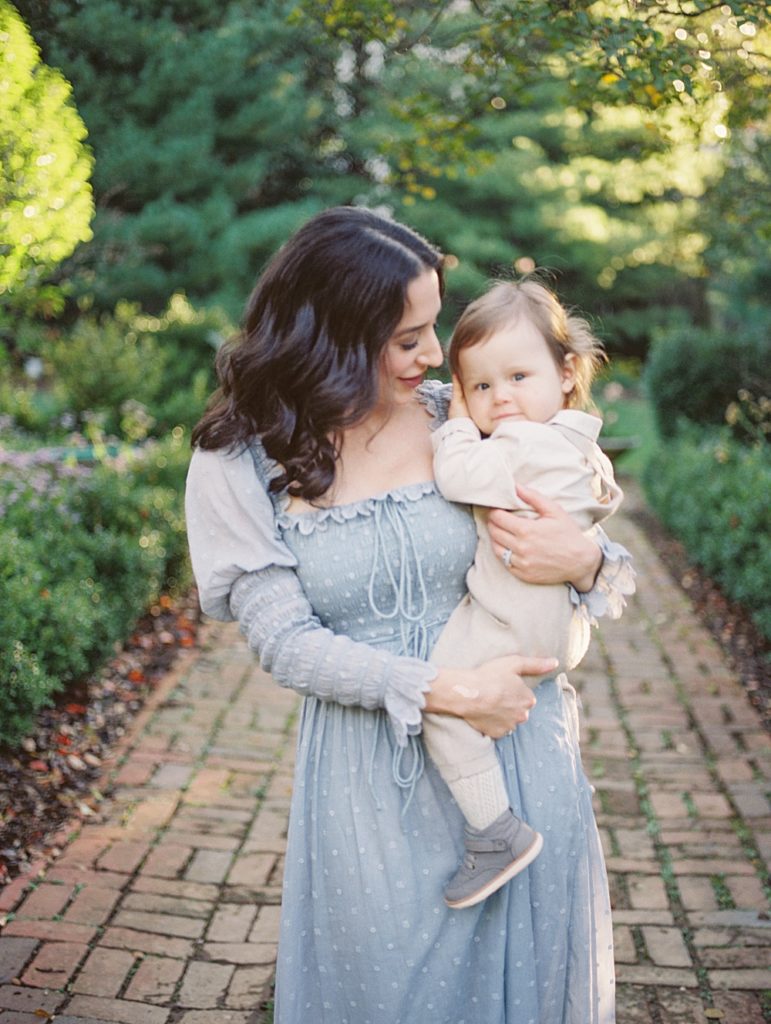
(373, 570)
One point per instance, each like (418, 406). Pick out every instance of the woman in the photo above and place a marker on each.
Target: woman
(314, 520)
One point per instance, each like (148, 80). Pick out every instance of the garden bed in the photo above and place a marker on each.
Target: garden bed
(50, 780)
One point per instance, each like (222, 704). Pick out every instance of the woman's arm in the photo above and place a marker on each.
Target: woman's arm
(281, 628)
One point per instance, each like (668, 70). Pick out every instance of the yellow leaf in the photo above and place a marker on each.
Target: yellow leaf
(653, 93)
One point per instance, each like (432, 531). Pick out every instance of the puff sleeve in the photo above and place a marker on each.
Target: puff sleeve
(230, 527)
(244, 571)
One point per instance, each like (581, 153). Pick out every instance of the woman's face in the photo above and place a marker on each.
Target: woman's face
(413, 346)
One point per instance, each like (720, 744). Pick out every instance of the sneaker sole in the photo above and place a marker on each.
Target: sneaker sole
(502, 877)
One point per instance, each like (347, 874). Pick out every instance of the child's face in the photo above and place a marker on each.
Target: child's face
(513, 376)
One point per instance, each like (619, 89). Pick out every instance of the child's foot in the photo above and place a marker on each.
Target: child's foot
(493, 856)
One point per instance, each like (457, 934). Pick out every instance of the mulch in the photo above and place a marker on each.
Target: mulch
(50, 781)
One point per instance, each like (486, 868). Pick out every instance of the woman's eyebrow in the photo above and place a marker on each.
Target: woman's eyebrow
(410, 330)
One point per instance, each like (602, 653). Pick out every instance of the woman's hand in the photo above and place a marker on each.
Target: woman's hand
(492, 698)
(548, 549)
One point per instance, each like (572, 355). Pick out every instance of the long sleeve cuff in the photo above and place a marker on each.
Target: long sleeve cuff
(615, 582)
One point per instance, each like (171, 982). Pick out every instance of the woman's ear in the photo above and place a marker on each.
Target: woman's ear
(569, 374)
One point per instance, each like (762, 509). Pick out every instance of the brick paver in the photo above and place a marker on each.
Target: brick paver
(164, 908)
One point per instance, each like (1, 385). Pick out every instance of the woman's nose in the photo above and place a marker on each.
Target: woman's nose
(431, 354)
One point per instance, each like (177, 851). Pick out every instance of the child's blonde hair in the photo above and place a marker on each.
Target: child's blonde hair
(565, 333)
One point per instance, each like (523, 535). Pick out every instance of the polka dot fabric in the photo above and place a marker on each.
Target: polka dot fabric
(374, 835)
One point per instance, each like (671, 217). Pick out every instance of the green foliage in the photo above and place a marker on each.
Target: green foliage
(45, 197)
(557, 195)
(647, 54)
(102, 363)
(712, 492)
(83, 552)
(739, 256)
(28, 408)
(188, 339)
(695, 374)
(194, 168)
(126, 375)
(572, 135)
(26, 686)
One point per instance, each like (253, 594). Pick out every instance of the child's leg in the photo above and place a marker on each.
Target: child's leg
(466, 759)
(468, 763)
(498, 844)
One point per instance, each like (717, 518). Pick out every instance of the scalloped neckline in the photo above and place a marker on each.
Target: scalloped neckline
(349, 509)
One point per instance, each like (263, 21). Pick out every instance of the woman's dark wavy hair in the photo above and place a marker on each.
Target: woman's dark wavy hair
(306, 363)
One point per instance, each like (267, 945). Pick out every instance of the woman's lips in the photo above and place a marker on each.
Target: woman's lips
(412, 382)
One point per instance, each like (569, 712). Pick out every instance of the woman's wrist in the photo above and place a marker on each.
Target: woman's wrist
(589, 563)
(449, 694)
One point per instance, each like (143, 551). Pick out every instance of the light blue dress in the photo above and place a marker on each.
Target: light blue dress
(374, 834)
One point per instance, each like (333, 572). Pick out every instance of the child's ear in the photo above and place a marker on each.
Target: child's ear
(569, 374)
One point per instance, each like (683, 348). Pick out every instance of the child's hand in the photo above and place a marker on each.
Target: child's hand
(457, 407)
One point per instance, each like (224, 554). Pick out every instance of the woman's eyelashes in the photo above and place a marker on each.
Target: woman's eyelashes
(411, 343)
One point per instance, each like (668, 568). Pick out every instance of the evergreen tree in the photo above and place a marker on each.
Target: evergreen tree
(45, 198)
(211, 128)
(505, 137)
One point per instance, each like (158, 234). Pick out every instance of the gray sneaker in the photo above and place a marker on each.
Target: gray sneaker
(493, 856)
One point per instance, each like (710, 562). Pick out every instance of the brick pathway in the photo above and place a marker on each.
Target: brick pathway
(164, 910)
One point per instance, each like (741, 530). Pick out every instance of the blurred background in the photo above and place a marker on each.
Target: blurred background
(155, 153)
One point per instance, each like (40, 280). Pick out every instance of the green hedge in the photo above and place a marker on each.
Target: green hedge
(713, 494)
(694, 374)
(83, 552)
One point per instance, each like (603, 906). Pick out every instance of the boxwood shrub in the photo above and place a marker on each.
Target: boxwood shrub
(713, 493)
(84, 550)
(693, 374)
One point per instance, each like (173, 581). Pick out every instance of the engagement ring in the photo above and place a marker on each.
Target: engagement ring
(506, 557)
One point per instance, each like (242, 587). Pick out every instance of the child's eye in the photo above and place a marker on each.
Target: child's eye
(517, 376)
(481, 387)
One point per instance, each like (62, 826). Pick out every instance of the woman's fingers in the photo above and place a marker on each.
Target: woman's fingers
(548, 548)
(503, 699)
(535, 666)
(540, 504)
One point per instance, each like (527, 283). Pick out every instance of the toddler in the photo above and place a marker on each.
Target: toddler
(522, 369)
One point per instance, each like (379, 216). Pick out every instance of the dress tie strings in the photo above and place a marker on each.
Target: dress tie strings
(399, 577)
